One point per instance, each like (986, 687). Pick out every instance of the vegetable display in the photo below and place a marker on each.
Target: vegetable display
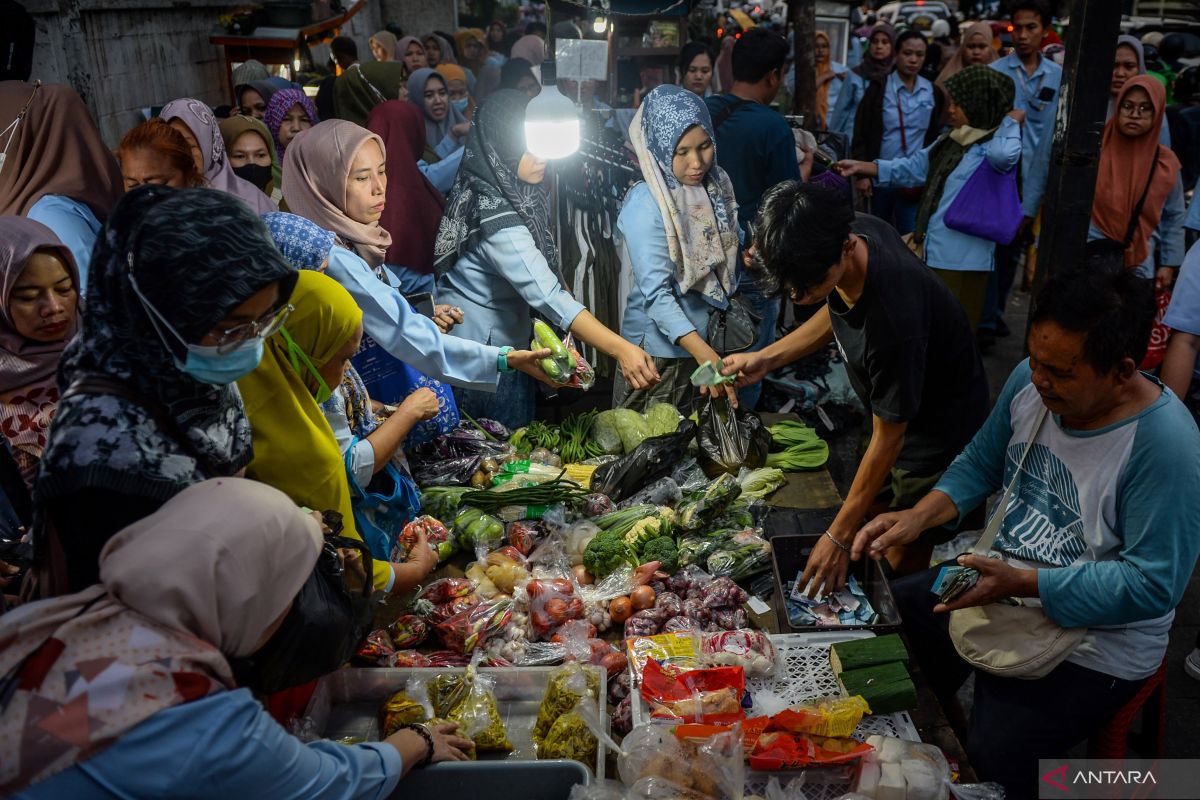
(558, 490)
(797, 447)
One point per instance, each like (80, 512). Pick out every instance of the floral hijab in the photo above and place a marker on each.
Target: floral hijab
(487, 196)
(197, 255)
(700, 221)
(278, 107)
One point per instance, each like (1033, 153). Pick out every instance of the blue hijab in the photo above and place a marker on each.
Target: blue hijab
(304, 244)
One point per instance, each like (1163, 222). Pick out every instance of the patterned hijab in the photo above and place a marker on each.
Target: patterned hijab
(303, 244)
(200, 580)
(434, 131)
(985, 95)
(700, 221)
(364, 86)
(54, 149)
(200, 121)
(315, 169)
(487, 196)
(281, 103)
(198, 255)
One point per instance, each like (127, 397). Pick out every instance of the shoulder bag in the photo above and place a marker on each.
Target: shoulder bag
(988, 205)
(733, 329)
(1012, 641)
(383, 507)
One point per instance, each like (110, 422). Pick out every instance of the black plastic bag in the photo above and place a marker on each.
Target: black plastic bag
(730, 439)
(654, 458)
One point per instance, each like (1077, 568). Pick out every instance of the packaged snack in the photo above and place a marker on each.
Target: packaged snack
(750, 650)
(408, 631)
(710, 696)
(678, 650)
(826, 716)
(775, 751)
(659, 762)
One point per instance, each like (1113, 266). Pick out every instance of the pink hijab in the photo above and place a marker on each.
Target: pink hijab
(531, 48)
(315, 168)
(203, 125)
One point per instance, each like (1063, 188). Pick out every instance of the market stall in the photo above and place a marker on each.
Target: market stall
(616, 601)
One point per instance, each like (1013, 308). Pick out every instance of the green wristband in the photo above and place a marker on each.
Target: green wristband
(502, 359)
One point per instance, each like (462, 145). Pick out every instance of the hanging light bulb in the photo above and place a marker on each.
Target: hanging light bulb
(600, 24)
(551, 122)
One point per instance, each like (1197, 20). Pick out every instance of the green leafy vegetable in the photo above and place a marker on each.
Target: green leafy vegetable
(758, 483)
(606, 552)
(662, 549)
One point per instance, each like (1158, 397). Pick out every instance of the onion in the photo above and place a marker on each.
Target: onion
(582, 576)
(620, 609)
(642, 597)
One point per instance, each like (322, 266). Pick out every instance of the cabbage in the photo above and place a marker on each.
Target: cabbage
(663, 418)
(631, 426)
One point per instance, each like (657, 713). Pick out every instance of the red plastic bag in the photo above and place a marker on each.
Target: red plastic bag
(774, 751)
(1159, 333)
(711, 696)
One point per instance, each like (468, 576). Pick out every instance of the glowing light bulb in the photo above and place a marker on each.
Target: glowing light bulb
(600, 24)
(551, 125)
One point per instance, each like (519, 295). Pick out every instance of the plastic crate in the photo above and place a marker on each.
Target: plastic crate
(789, 554)
(346, 704)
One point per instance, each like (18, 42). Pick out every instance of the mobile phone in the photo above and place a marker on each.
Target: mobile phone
(422, 302)
(1046, 94)
(795, 120)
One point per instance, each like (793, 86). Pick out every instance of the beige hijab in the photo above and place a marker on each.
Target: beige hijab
(315, 168)
(200, 580)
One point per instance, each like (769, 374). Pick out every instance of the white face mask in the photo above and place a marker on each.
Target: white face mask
(11, 130)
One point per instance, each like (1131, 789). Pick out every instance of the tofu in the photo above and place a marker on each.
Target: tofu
(891, 783)
(921, 780)
(891, 750)
(868, 779)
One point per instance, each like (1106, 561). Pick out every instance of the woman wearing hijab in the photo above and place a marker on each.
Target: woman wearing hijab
(458, 88)
(530, 48)
(252, 97)
(830, 75)
(497, 32)
(383, 46)
(473, 46)
(335, 175)
(283, 398)
(1133, 163)
(411, 53)
(496, 259)
(414, 204)
(144, 657)
(57, 170)
(39, 286)
(1129, 62)
(196, 122)
(976, 48)
(445, 126)
(876, 65)
(517, 74)
(251, 152)
(289, 112)
(186, 284)
(364, 86)
(438, 51)
(681, 233)
(985, 126)
(155, 153)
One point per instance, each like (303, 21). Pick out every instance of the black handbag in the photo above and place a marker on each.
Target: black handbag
(733, 329)
(1108, 255)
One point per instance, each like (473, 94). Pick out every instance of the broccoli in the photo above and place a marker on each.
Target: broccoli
(606, 552)
(663, 550)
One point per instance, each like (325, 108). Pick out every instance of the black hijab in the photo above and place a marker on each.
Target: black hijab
(487, 196)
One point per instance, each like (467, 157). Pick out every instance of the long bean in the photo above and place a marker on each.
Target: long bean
(545, 494)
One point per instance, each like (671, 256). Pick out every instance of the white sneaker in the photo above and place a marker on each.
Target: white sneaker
(1191, 664)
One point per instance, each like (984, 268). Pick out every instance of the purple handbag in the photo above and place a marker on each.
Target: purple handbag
(987, 206)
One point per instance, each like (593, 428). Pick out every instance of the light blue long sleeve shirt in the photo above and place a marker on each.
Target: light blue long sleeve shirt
(850, 94)
(498, 285)
(442, 174)
(1192, 221)
(657, 313)
(224, 746)
(1104, 517)
(409, 336)
(75, 226)
(446, 147)
(916, 108)
(1167, 237)
(1037, 134)
(1184, 312)
(946, 248)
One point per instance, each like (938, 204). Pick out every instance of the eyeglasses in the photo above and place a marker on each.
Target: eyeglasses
(263, 327)
(1144, 109)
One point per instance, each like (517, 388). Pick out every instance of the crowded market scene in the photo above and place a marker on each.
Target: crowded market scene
(599, 399)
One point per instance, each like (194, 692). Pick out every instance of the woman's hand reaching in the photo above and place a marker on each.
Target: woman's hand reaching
(637, 366)
(446, 317)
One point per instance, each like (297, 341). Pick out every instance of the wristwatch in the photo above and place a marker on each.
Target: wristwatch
(502, 359)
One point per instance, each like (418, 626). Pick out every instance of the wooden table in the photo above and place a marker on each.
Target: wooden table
(278, 45)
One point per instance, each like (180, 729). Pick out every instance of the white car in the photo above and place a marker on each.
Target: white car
(907, 12)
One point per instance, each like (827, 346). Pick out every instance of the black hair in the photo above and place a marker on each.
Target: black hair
(758, 53)
(513, 71)
(1114, 311)
(1036, 6)
(689, 53)
(536, 28)
(909, 34)
(799, 233)
(343, 46)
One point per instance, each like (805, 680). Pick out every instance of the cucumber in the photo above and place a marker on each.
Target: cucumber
(547, 339)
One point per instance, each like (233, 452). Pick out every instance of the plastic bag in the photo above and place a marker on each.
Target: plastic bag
(750, 650)
(436, 534)
(471, 629)
(566, 687)
(552, 602)
(723, 593)
(921, 769)
(377, 649)
(614, 584)
(475, 529)
(523, 535)
(779, 750)
(656, 763)
(653, 458)
(717, 496)
(711, 696)
(825, 716)
(744, 554)
(445, 589)
(730, 439)
(444, 472)
(570, 737)
(408, 631)
(663, 492)
(679, 650)
(689, 476)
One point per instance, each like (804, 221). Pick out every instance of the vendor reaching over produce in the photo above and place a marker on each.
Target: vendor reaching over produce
(496, 259)
(909, 351)
(1087, 534)
(681, 230)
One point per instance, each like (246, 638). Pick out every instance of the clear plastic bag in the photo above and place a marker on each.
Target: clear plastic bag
(614, 584)
(919, 770)
(656, 763)
(663, 492)
(477, 713)
(689, 476)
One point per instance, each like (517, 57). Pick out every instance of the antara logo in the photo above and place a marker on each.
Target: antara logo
(1058, 778)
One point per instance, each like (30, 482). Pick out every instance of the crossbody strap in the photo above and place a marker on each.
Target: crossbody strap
(727, 112)
(1137, 210)
(993, 527)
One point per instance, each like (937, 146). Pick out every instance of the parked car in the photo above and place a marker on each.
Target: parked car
(918, 14)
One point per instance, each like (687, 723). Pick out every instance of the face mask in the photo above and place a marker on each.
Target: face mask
(301, 363)
(203, 363)
(258, 175)
(461, 105)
